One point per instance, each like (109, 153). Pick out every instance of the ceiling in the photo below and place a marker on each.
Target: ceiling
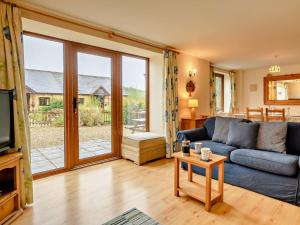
(233, 34)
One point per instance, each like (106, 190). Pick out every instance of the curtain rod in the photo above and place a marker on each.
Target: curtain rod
(74, 21)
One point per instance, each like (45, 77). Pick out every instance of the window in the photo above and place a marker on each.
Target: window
(220, 92)
(135, 94)
(44, 101)
(92, 94)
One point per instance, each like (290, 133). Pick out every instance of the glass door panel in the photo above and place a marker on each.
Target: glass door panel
(94, 91)
(44, 80)
(134, 89)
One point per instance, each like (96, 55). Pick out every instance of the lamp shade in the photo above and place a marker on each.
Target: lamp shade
(193, 103)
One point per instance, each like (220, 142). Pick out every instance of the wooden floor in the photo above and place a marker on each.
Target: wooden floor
(93, 195)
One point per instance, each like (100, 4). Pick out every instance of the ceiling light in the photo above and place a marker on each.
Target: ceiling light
(274, 69)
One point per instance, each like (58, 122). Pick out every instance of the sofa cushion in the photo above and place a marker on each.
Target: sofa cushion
(217, 148)
(222, 128)
(272, 136)
(209, 125)
(292, 139)
(243, 135)
(273, 162)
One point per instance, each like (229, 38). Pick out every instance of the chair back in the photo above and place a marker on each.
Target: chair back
(255, 114)
(275, 115)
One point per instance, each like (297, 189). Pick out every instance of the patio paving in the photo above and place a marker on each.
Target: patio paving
(43, 159)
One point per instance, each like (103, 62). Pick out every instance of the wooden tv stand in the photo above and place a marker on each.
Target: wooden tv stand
(10, 207)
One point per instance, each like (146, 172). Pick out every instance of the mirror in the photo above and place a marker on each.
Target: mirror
(282, 90)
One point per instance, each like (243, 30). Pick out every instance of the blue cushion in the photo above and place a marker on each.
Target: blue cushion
(292, 139)
(209, 125)
(273, 162)
(243, 135)
(217, 148)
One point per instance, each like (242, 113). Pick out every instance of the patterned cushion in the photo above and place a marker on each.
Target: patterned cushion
(272, 136)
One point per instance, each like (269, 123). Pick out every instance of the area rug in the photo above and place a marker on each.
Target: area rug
(132, 217)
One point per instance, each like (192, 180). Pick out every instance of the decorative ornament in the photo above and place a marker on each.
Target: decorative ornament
(190, 87)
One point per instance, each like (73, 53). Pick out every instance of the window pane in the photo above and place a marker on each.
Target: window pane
(219, 94)
(94, 97)
(134, 74)
(44, 82)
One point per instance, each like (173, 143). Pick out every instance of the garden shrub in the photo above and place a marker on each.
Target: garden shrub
(55, 104)
(58, 121)
(90, 116)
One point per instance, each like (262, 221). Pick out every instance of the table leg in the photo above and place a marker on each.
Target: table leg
(221, 180)
(190, 173)
(208, 173)
(176, 176)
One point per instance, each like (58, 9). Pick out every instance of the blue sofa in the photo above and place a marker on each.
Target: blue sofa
(269, 173)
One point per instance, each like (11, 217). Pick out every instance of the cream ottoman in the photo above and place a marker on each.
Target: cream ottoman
(143, 147)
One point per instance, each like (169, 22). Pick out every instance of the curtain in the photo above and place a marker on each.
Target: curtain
(233, 98)
(170, 101)
(212, 83)
(12, 77)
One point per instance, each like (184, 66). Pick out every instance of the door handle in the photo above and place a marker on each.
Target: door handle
(75, 102)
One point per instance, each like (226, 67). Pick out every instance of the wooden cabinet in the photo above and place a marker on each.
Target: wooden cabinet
(189, 123)
(10, 207)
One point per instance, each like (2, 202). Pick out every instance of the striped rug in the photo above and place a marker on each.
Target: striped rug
(132, 217)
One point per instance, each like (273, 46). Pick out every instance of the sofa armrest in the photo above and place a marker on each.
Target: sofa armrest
(192, 135)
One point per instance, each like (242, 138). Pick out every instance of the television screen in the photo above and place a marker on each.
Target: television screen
(6, 120)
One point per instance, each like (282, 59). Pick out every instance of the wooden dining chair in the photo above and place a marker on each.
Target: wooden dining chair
(275, 115)
(255, 114)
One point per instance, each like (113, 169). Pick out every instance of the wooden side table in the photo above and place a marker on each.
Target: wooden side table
(10, 207)
(203, 193)
(191, 123)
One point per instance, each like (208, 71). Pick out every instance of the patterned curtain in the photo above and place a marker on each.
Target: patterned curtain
(212, 83)
(170, 101)
(12, 77)
(233, 91)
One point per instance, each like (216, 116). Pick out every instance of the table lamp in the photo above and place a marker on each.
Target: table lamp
(193, 103)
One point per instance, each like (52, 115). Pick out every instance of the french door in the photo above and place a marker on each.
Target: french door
(74, 103)
(95, 92)
(80, 100)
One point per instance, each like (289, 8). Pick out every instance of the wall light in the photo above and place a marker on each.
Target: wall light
(192, 72)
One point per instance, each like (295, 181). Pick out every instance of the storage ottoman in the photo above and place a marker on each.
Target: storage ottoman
(143, 147)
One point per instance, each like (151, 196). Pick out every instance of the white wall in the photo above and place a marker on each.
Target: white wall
(255, 98)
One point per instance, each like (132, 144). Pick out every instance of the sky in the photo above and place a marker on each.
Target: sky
(41, 54)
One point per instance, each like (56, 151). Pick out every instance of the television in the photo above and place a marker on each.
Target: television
(7, 136)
